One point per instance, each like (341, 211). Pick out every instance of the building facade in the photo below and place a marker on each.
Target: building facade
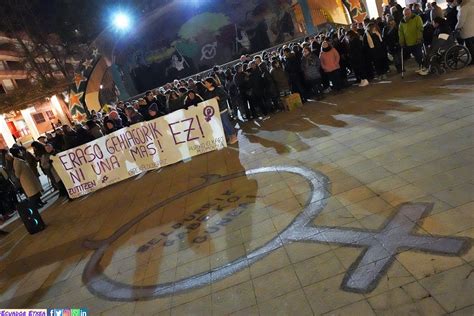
(39, 116)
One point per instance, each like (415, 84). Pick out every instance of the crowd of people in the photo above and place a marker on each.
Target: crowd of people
(321, 63)
(255, 86)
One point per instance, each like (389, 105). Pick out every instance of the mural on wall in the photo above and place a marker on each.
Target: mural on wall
(357, 10)
(77, 91)
(190, 39)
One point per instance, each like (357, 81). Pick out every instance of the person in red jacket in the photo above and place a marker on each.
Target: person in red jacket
(330, 64)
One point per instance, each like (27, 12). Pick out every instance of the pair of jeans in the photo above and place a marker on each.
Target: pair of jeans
(417, 52)
(229, 129)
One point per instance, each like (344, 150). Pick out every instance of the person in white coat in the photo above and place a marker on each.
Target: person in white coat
(29, 182)
(465, 24)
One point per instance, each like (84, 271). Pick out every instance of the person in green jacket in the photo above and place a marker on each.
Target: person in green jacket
(410, 33)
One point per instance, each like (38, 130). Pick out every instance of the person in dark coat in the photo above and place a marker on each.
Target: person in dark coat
(374, 45)
(451, 14)
(160, 98)
(83, 135)
(342, 49)
(316, 46)
(133, 116)
(217, 92)
(311, 65)
(392, 42)
(94, 130)
(70, 137)
(356, 57)
(109, 126)
(270, 90)
(192, 99)
(293, 68)
(58, 140)
(149, 98)
(143, 108)
(39, 150)
(396, 11)
(121, 113)
(117, 118)
(280, 77)
(175, 102)
(200, 88)
(230, 86)
(241, 80)
(153, 112)
(8, 197)
(256, 84)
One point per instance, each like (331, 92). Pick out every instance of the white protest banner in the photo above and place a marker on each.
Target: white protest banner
(141, 147)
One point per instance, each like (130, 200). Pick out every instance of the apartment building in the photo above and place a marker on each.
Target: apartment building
(35, 117)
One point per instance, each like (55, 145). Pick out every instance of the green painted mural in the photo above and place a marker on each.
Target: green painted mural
(179, 40)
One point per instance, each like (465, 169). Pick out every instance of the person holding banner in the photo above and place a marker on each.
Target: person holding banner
(214, 91)
(192, 99)
(133, 115)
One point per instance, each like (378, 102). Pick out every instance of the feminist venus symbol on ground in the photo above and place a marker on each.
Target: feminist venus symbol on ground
(379, 247)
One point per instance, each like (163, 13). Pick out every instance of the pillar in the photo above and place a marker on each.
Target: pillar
(310, 29)
(58, 110)
(5, 131)
(30, 123)
(374, 8)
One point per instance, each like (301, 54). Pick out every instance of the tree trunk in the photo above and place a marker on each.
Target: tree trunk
(31, 59)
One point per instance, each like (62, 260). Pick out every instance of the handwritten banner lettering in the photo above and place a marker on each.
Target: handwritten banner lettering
(141, 147)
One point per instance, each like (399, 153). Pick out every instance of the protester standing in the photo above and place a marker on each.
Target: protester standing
(376, 48)
(214, 91)
(330, 64)
(280, 77)
(311, 66)
(392, 42)
(411, 35)
(356, 57)
(28, 181)
(465, 25)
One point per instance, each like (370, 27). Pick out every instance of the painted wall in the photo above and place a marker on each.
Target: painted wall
(189, 39)
(333, 9)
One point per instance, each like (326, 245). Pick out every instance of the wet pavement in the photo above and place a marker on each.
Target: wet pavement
(359, 204)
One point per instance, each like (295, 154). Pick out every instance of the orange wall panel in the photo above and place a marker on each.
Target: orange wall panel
(334, 10)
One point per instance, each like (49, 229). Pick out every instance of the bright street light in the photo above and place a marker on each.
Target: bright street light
(121, 21)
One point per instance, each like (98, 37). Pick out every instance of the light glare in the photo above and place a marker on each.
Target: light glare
(121, 21)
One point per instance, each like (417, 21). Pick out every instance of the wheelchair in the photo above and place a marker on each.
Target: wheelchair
(450, 57)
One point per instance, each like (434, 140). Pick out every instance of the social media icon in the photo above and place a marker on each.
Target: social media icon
(66, 312)
(83, 312)
(75, 312)
(58, 312)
